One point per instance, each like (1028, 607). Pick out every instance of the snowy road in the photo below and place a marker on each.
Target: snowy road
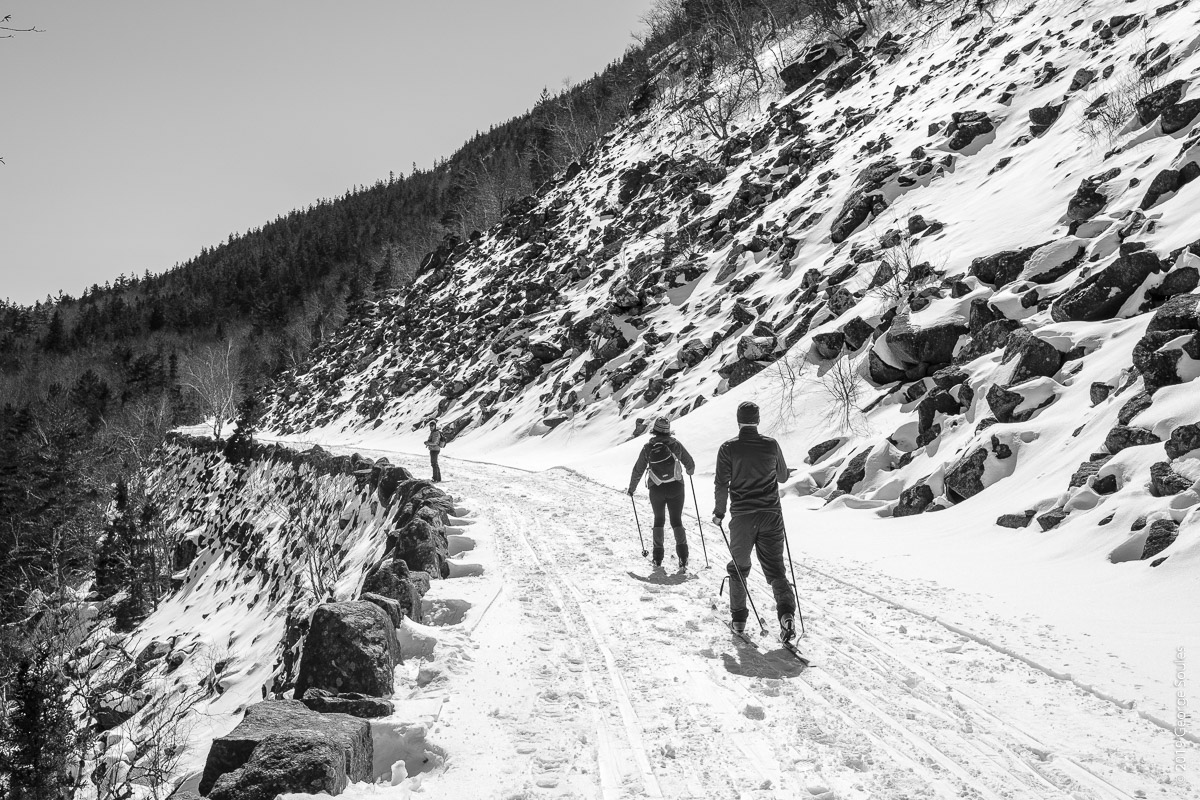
(579, 672)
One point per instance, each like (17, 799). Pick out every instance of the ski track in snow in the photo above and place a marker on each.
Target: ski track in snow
(587, 674)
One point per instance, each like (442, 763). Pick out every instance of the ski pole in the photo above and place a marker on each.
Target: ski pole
(762, 625)
(645, 552)
(795, 588)
(699, 524)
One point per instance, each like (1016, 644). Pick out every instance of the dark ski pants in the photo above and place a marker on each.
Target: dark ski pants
(433, 462)
(761, 532)
(668, 498)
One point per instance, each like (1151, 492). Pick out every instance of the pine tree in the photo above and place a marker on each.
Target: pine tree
(38, 732)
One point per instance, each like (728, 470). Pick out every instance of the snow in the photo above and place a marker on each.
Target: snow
(954, 657)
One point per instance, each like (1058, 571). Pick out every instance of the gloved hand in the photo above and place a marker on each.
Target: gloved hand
(691, 472)
(632, 489)
(718, 518)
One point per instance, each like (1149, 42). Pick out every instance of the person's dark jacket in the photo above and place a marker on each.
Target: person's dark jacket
(750, 468)
(643, 459)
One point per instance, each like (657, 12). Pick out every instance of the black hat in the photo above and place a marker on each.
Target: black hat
(747, 414)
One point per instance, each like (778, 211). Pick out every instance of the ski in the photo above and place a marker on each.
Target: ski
(800, 655)
(749, 640)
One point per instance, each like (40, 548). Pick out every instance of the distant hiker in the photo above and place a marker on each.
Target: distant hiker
(435, 443)
(666, 459)
(750, 468)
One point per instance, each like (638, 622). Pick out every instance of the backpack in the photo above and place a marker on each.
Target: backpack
(664, 466)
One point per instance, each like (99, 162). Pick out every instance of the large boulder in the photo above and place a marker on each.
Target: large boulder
(931, 346)
(913, 500)
(1101, 296)
(421, 543)
(1179, 313)
(1033, 357)
(349, 735)
(1157, 356)
(352, 703)
(1123, 436)
(970, 475)
(865, 199)
(815, 60)
(966, 126)
(1162, 534)
(1165, 481)
(350, 647)
(1001, 268)
(301, 760)
(394, 580)
(1184, 439)
(1158, 101)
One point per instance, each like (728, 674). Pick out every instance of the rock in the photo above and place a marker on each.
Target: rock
(150, 653)
(1153, 104)
(828, 345)
(1015, 520)
(351, 703)
(1165, 481)
(1101, 296)
(991, 336)
(392, 579)
(1052, 519)
(938, 401)
(1087, 202)
(391, 606)
(1122, 436)
(1179, 313)
(865, 199)
(1040, 119)
(289, 761)
(913, 500)
(1159, 363)
(965, 479)
(1176, 117)
(932, 346)
(1099, 392)
(1184, 439)
(1106, 484)
(1162, 534)
(351, 736)
(817, 452)
(693, 352)
(1087, 469)
(1004, 403)
(881, 372)
(1034, 357)
(1081, 79)
(854, 471)
(966, 126)
(1179, 281)
(815, 60)
(350, 647)
(1134, 406)
(1001, 268)
(857, 332)
(1166, 181)
(422, 545)
(545, 352)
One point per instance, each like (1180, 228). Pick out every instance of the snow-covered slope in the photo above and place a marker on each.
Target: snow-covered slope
(935, 257)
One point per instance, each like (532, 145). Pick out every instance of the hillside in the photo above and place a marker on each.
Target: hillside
(920, 260)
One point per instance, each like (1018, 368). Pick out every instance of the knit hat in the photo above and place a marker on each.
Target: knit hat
(662, 425)
(747, 414)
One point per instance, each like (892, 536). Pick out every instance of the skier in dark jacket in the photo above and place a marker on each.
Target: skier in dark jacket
(435, 441)
(664, 456)
(750, 468)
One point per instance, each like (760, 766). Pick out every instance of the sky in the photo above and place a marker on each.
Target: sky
(135, 133)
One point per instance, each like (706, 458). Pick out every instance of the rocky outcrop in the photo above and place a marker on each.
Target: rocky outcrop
(865, 200)
(815, 60)
(350, 647)
(1159, 537)
(350, 737)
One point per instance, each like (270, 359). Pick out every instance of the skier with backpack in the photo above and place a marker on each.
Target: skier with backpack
(750, 468)
(665, 460)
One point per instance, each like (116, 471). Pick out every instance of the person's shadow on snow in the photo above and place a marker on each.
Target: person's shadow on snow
(750, 662)
(660, 577)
